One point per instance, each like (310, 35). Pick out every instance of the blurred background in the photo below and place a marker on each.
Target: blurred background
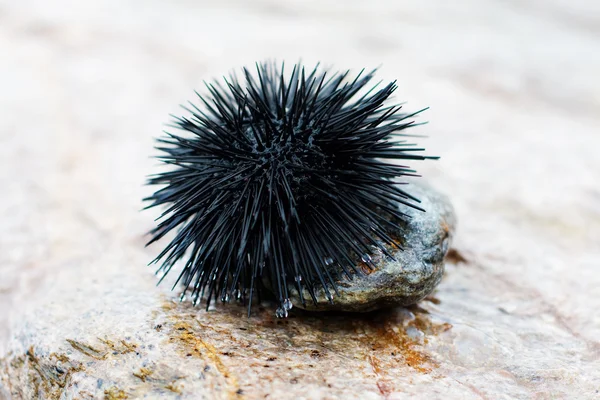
(513, 86)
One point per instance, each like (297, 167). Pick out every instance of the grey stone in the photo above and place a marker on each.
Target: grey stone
(410, 275)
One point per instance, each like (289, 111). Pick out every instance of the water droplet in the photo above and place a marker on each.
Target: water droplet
(298, 278)
(281, 312)
(287, 304)
(415, 334)
(328, 261)
(329, 296)
(238, 294)
(366, 258)
(225, 298)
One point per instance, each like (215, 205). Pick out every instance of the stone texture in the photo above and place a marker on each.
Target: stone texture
(407, 278)
(513, 91)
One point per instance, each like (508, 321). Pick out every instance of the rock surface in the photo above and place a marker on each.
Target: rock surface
(411, 275)
(513, 91)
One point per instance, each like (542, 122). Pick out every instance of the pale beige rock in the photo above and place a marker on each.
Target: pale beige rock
(84, 86)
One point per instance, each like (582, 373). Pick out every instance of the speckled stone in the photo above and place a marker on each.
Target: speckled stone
(411, 275)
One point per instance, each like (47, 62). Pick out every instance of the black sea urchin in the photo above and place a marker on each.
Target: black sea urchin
(281, 180)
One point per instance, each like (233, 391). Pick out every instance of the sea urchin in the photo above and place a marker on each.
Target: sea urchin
(281, 179)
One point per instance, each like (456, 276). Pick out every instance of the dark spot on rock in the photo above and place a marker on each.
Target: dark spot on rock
(454, 256)
(239, 391)
(432, 299)
(294, 380)
(415, 308)
(271, 358)
(315, 354)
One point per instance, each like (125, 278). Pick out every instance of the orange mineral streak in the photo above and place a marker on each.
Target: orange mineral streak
(380, 344)
(191, 343)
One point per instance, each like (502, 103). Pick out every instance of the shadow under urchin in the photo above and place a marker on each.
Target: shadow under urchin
(282, 179)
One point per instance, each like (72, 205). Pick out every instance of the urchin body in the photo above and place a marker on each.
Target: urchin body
(282, 180)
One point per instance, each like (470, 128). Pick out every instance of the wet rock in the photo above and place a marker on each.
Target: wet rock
(411, 275)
